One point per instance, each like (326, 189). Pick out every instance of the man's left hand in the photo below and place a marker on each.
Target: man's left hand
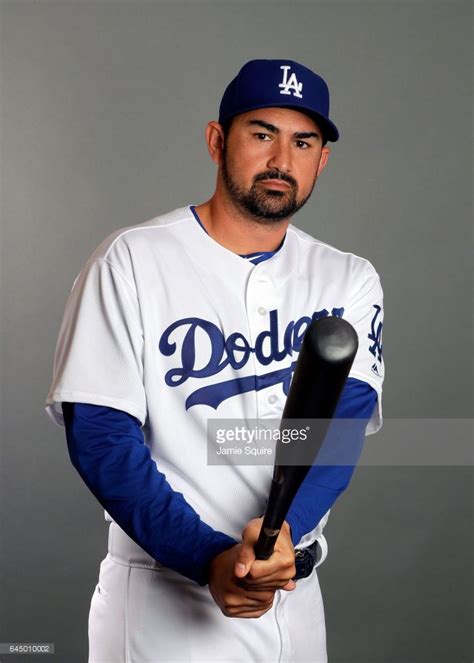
(277, 571)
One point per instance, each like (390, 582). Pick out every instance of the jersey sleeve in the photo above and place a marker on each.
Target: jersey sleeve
(365, 313)
(99, 352)
(107, 448)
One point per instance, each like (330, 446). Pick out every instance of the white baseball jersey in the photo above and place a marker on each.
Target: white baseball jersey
(168, 325)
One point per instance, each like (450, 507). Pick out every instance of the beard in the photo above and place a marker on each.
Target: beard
(261, 204)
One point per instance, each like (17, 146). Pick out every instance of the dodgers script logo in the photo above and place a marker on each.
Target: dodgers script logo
(235, 350)
(290, 85)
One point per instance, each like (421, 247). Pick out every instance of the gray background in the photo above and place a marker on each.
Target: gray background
(103, 110)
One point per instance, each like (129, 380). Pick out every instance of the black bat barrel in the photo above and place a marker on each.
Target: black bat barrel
(326, 356)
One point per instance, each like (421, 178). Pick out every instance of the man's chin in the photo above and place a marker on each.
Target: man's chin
(264, 205)
(276, 208)
(271, 214)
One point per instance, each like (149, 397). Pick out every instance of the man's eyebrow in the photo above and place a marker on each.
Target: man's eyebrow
(307, 134)
(276, 130)
(265, 125)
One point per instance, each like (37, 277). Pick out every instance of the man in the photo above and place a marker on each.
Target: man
(195, 315)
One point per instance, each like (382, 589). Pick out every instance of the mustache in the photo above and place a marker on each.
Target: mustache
(275, 175)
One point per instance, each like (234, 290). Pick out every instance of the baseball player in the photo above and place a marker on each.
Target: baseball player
(194, 315)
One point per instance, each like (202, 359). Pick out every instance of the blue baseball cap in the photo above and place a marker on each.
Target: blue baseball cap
(281, 84)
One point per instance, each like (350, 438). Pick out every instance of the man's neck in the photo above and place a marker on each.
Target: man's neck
(237, 232)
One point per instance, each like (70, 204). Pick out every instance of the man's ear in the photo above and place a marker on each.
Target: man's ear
(325, 152)
(215, 141)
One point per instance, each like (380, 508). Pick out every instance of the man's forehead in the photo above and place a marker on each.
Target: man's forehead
(281, 118)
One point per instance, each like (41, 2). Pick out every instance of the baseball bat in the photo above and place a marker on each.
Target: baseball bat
(326, 356)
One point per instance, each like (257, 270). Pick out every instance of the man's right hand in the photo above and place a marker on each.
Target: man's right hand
(230, 596)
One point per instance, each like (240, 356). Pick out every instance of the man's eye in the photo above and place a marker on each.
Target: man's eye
(303, 144)
(262, 136)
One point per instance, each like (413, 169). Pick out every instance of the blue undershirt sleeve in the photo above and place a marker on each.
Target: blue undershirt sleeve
(107, 448)
(324, 483)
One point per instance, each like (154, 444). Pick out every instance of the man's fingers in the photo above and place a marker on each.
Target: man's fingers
(266, 587)
(279, 574)
(246, 555)
(281, 579)
(248, 614)
(249, 604)
(273, 567)
(290, 586)
(251, 599)
(271, 583)
(244, 560)
(248, 611)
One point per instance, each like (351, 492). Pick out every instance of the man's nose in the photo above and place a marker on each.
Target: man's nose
(280, 158)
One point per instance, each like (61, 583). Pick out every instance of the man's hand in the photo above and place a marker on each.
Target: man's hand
(245, 587)
(271, 574)
(226, 590)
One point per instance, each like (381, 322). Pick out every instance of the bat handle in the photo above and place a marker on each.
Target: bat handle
(266, 542)
(274, 517)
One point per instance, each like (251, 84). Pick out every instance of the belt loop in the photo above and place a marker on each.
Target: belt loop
(323, 544)
(111, 538)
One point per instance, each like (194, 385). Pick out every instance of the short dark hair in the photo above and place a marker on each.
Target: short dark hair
(226, 125)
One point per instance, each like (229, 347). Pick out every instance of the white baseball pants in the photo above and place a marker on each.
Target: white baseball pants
(142, 612)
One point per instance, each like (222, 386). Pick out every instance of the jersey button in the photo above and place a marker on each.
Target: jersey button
(272, 399)
(262, 310)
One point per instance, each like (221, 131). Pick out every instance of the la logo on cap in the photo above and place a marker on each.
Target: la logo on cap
(290, 85)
